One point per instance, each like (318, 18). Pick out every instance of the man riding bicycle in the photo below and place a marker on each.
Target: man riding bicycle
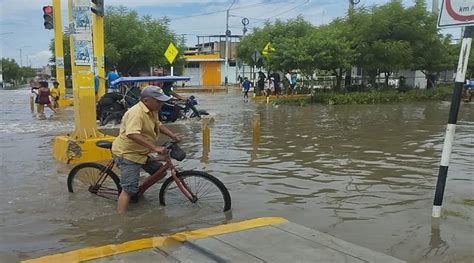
(139, 130)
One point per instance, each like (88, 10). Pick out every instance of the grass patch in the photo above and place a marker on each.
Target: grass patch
(469, 202)
(373, 97)
(447, 213)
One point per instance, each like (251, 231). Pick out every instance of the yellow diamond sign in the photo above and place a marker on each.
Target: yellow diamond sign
(267, 49)
(171, 53)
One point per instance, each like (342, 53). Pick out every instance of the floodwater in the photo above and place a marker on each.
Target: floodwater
(362, 173)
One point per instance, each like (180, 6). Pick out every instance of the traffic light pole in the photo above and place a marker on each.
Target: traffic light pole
(99, 57)
(80, 146)
(59, 51)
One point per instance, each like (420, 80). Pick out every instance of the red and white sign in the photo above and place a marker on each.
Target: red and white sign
(456, 13)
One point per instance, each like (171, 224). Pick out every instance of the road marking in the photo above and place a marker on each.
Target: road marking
(91, 253)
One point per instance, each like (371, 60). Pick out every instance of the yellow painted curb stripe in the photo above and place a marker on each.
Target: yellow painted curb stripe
(109, 250)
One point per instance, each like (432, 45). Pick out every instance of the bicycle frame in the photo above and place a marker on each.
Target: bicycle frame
(160, 174)
(103, 176)
(150, 180)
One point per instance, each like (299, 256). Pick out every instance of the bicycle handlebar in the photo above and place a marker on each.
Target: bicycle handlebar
(174, 151)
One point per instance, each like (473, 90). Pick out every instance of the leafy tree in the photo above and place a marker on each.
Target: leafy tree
(11, 70)
(433, 52)
(382, 38)
(27, 72)
(285, 37)
(330, 49)
(134, 43)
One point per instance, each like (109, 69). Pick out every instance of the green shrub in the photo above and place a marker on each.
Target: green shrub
(374, 97)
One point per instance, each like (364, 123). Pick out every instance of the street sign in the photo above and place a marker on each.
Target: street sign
(267, 49)
(256, 56)
(456, 13)
(171, 53)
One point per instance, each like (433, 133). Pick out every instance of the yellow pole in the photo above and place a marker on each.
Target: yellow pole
(32, 104)
(99, 57)
(80, 145)
(84, 95)
(58, 48)
(256, 129)
(206, 135)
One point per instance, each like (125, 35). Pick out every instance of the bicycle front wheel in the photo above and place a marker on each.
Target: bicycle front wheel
(208, 190)
(94, 178)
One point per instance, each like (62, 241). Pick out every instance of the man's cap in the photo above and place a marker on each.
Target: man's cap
(154, 92)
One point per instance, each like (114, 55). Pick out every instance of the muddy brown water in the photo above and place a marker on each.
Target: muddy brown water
(362, 173)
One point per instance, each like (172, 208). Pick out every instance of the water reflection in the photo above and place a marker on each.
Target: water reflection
(437, 246)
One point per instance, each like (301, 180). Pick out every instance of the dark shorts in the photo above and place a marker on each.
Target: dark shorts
(130, 172)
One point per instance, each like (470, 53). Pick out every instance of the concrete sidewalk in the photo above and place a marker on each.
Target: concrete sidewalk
(257, 240)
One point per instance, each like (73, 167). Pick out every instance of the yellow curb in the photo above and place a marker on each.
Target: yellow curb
(91, 253)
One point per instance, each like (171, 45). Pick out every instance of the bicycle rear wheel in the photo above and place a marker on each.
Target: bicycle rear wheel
(209, 191)
(94, 178)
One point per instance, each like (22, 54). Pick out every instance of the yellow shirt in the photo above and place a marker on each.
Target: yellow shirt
(137, 120)
(54, 92)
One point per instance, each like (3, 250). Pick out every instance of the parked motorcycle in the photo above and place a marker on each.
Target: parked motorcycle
(112, 106)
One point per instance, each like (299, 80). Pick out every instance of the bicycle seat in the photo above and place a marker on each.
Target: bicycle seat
(104, 144)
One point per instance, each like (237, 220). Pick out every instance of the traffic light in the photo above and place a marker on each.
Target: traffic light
(48, 17)
(98, 9)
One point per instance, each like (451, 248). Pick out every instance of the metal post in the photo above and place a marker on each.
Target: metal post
(435, 7)
(226, 48)
(21, 59)
(99, 57)
(256, 129)
(58, 49)
(453, 116)
(206, 135)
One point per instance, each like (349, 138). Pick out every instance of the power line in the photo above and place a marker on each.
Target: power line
(287, 11)
(225, 10)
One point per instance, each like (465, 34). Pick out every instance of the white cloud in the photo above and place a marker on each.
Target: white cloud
(39, 59)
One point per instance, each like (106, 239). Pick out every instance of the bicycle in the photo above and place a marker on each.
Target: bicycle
(191, 187)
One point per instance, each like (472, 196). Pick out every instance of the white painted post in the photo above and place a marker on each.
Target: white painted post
(451, 127)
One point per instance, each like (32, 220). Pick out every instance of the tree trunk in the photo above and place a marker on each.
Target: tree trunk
(372, 77)
(337, 88)
(387, 75)
(430, 83)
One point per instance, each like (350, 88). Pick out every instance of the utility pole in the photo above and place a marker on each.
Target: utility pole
(227, 35)
(59, 50)
(435, 7)
(21, 55)
(245, 22)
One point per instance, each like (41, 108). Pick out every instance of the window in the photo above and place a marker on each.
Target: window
(191, 65)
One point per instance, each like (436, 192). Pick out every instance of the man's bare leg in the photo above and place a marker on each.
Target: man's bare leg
(123, 201)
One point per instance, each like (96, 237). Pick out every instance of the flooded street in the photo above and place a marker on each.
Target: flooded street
(363, 173)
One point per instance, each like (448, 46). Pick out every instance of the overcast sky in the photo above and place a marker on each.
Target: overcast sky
(21, 21)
